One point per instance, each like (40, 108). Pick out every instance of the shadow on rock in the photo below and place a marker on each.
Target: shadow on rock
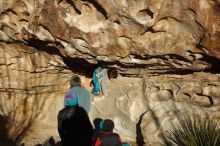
(50, 142)
(139, 135)
(4, 140)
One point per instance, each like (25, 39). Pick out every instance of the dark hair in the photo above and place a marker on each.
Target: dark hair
(97, 122)
(112, 73)
(108, 125)
(75, 81)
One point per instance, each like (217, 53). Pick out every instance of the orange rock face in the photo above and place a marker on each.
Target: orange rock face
(154, 36)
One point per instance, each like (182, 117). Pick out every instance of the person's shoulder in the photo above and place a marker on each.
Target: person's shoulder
(61, 112)
(81, 109)
(104, 71)
(112, 134)
(80, 90)
(75, 89)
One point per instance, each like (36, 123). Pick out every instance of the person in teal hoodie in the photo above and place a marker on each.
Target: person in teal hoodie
(82, 93)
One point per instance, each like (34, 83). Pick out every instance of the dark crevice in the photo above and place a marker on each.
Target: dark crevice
(201, 47)
(23, 20)
(210, 84)
(178, 57)
(217, 6)
(74, 6)
(210, 100)
(170, 17)
(181, 71)
(4, 140)
(148, 12)
(123, 36)
(26, 13)
(80, 66)
(150, 29)
(117, 22)
(10, 10)
(15, 25)
(139, 135)
(76, 65)
(213, 61)
(44, 46)
(6, 26)
(202, 37)
(187, 94)
(59, 1)
(171, 92)
(203, 28)
(192, 10)
(98, 7)
(209, 97)
(45, 27)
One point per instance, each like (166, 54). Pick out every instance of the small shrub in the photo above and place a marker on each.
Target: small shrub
(196, 131)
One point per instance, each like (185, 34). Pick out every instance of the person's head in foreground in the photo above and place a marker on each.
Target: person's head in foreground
(75, 81)
(107, 125)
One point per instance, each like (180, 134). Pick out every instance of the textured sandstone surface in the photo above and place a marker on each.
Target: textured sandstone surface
(153, 36)
(172, 45)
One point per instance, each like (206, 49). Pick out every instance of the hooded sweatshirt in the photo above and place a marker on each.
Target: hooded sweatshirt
(83, 97)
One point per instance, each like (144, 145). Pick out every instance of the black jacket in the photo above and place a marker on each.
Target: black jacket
(108, 139)
(74, 127)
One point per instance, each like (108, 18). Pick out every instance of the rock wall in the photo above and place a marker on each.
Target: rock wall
(173, 45)
(153, 36)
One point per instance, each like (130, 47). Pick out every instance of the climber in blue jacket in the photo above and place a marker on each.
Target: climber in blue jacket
(100, 77)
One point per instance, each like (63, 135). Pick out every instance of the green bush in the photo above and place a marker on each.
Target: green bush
(196, 131)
